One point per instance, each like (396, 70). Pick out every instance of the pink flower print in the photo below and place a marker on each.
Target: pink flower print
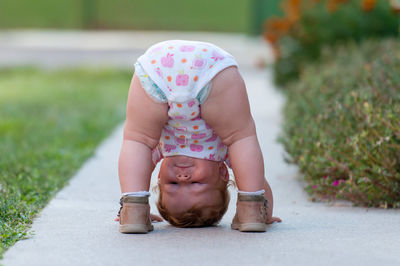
(181, 129)
(221, 145)
(172, 133)
(191, 103)
(212, 157)
(169, 147)
(212, 138)
(196, 118)
(187, 48)
(199, 63)
(216, 56)
(208, 126)
(180, 117)
(167, 61)
(196, 148)
(158, 71)
(180, 141)
(156, 49)
(199, 136)
(182, 80)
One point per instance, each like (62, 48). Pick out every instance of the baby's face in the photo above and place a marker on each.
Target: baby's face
(186, 182)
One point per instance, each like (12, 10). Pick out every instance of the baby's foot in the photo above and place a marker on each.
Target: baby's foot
(135, 215)
(251, 213)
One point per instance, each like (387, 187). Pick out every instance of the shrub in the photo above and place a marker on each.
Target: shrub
(309, 25)
(343, 126)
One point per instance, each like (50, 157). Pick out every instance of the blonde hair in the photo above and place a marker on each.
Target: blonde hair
(196, 216)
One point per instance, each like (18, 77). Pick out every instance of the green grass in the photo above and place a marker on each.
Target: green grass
(342, 124)
(50, 123)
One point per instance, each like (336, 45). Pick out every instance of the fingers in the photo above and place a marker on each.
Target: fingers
(155, 218)
(273, 220)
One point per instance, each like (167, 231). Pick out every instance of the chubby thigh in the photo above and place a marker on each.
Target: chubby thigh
(227, 108)
(144, 117)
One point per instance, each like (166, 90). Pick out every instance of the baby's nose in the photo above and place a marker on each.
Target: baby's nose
(183, 177)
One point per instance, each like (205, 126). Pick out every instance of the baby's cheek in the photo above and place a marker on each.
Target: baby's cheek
(208, 170)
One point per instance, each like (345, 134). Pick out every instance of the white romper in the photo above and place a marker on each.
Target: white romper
(179, 73)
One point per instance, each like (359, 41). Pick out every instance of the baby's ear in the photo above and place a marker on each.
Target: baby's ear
(223, 172)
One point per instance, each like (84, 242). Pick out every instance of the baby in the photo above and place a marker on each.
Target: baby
(188, 105)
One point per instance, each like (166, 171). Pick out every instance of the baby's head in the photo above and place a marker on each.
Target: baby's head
(193, 192)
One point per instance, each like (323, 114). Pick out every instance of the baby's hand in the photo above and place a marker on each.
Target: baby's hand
(271, 220)
(153, 217)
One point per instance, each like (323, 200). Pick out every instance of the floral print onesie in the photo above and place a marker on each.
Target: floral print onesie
(179, 73)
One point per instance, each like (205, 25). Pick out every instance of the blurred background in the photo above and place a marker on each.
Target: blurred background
(65, 70)
(336, 61)
(244, 16)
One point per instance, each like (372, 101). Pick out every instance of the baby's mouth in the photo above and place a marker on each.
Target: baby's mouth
(183, 165)
(183, 162)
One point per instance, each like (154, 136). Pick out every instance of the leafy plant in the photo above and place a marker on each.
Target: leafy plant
(343, 126)
(309, 25)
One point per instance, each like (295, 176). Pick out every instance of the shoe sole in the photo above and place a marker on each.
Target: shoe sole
(135, 228)
(250, 227)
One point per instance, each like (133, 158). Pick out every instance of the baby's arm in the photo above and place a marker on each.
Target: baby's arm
(144, 121)
(227, 111)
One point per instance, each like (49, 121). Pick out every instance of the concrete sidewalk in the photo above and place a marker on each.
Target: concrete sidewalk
(53, 49)
(77, 227)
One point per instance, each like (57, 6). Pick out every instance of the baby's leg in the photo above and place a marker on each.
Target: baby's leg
(144, 121)
(227, 111)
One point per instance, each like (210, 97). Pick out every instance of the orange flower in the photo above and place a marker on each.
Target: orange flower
(292, 9)
(332, 5)
(368, 5)
(275, 28)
